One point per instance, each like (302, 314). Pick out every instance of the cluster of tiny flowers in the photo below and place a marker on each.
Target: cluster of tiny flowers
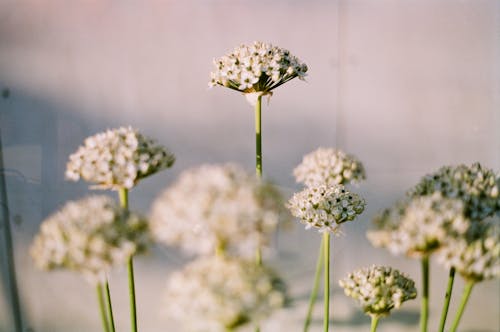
(219, 294)
(259, 67)
(89, 236)
(476, 186)
(329, 167)
(325, 207)
(379, 289)
(117, 158)
(218, 207)
(476, 256)
(419, 226)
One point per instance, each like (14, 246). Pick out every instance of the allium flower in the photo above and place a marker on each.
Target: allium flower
(217, 207)
(419, 226)
(256, 69)
(379, 289)
(476, 186)
(325, 207)
(117, 158)
(220, 294)
(476, 256)
(89, 236)
(329, 167)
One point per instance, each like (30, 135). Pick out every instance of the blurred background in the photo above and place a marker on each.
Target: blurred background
(406, 86)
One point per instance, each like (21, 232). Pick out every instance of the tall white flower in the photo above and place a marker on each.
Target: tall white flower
(89, 236)
(325, 208)
(475, 256)
(217, 207)
(478, 187)
(256, 69)
(214, 294)
(419, 226)
(379, 289)
(330, 167)
(117, 158)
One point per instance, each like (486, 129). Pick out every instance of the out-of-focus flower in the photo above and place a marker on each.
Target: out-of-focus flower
(476, 256)
(330, 167)
(89, 236)
(379, 289)
(218, 207)
(419, 226)
(476, 186)
(256, 69)
(213, 294)
(325, 208)
(117, 158)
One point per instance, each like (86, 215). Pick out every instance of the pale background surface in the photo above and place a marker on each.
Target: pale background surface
(407, 86)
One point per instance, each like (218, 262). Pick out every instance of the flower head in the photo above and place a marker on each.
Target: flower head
(89, 236)
(329, 167)
(219, 294)
(217, 207)
(476, 186)
(476, 256)
(257, 68)
(325, 207)
(419, 226)
(379, 289)
(117, 158)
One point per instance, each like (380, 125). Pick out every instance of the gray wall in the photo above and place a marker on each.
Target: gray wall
(407, 86)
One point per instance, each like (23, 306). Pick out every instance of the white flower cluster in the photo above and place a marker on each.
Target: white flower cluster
(117, 158)
(216, 207)
(325, 207)
(475, 256)
(330, 167)
(419, 226)
(259, 67)
(89, 236)
(214, 294)
(476, 186)
(379, 289)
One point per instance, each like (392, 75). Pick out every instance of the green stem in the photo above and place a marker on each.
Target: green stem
(258, 137)
(424, 311)
(463, 303)
(102, 310)
(326, 256)
(110, 307)
(447, 299)
(314, 292)
(374, 324)
(123, 194)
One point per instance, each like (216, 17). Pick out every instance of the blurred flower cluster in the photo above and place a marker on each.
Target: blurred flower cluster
(378, 289)
(325, 207)
(117, 158)
(213, 294)
(329, 167)
(260, 67)
(90, 236)
(217, 207)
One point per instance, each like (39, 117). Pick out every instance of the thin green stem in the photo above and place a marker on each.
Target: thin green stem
(424, 311)
(447, 299)
(463, 302)
(326, 289)
(110, 307)
(375, 319)
(258, 137)
(102, 310)
(314, 292)
(123, 194)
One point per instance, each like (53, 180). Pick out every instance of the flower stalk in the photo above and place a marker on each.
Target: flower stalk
(463, 303)
(424, 311)
(109, 307)
(447, 299)
(314, 292)
(374, 323)
(102, 310)
(326, 289)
